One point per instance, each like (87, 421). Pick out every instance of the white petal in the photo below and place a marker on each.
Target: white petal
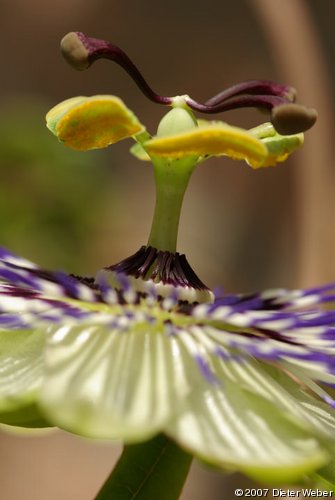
(114, 383)
(233, 427)
(21, 367)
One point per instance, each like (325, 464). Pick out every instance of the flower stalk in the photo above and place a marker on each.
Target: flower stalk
(171, 179)
(141, 469)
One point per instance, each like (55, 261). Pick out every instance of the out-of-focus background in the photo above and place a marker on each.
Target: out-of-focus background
(245, 230)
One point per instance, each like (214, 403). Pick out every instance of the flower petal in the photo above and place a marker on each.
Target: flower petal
(123, 382)
(84, 123)
(21, 373)
(215, 139)
(233, 427)
(286, 393)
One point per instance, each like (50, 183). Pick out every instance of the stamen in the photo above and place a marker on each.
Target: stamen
(292, 118)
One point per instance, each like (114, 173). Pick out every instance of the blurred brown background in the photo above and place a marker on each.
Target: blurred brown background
(242, 229)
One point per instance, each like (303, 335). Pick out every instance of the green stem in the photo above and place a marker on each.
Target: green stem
(171, 178)
(155, 469)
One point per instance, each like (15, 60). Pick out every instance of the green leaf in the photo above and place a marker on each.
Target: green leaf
(148, 471)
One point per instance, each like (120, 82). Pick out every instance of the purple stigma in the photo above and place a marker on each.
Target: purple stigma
(81, 51)
(287, 117)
